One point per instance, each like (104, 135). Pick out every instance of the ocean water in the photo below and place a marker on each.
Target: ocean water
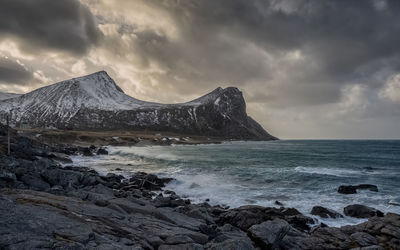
(298, 173)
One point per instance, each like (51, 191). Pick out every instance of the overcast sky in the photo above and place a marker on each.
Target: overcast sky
(308, 69)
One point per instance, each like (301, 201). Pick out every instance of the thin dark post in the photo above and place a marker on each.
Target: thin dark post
(8, 133)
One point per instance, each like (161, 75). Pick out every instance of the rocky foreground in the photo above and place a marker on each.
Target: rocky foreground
(44, 205)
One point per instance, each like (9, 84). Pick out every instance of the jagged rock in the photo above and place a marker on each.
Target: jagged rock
(34, 182)
(325, 212)
(61, 157)
(168, 202)
(87, 152)
(102, 151)
(353, 189)
(246, 216)
(190, 246)
(7, 176)
(178, 239)
(220, 113)
(347, 190)
(361, 211)
(300, 222)
(230, 238)
(269, 234)
(148, 181)
(363, 239)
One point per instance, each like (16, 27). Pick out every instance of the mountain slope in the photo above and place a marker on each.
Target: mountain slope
(5, 96)
(96, 102)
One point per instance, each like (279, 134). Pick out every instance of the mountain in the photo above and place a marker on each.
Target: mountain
(95, 102)
(5, 96)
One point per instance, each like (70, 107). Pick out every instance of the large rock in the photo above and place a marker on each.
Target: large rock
(350, 189)
(325, 212)
(269, 234)
(230, 238)
(364, 239)
(246, 216)
(361, 211)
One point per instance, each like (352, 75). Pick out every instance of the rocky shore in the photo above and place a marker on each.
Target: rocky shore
(46, 206)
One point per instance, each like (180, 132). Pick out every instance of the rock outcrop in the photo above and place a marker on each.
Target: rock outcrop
(350, 189)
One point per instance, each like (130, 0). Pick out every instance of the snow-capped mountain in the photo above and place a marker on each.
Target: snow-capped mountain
(96, 102)
(5, 96)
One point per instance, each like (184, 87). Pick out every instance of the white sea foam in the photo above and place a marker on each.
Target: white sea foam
(327, 171)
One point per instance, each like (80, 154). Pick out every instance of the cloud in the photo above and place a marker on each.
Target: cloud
(47, 25)
(391, 89)
(13, 71)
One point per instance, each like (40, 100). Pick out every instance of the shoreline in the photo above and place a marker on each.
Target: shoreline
(45, 205)
(192, 189)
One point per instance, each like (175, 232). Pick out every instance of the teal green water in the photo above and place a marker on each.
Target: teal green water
(298, 173)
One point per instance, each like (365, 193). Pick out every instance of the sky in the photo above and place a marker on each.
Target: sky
(308, 69)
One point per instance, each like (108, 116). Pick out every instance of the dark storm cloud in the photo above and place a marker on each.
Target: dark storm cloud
(340, 39)
(13, 72)
(47, 24)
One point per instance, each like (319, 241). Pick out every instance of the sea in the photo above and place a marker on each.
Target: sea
(297, 173)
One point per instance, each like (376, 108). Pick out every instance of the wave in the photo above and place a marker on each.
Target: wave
(328, 171)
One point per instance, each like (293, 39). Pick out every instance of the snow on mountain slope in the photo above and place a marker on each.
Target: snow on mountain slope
(5, 96)
(96, 102)
(66, 98)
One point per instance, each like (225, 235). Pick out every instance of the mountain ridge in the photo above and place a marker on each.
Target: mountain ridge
(96, 102)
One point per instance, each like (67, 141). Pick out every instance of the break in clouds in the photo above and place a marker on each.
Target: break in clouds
(308, 69)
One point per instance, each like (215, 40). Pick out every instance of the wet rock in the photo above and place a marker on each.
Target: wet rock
(78, 233)
(149, 181)
(178, 239)
(347, 190)
(300, 222)
(246, 216)
(325, 212)
(35, 182)
(64, 178)
(7, 176)
(230, 238)
(353, 189)
(363, 239)
(290, 211)
(361, 211)
(160, 201)
(269, 234)
(61, 157)
(86, 152)
(190, 246)
(102, 151)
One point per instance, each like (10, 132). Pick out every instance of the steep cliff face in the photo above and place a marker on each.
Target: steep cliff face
(96, 102)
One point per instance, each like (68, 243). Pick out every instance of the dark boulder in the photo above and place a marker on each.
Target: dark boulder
(325, 212)
(160, 201)
(300, 222)
(269, 234)
(34, 182)
(361, 211)
(102, 151)
(350, 189)
(347, 189)
(86, 152)
(246, 216)
(148, 181)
